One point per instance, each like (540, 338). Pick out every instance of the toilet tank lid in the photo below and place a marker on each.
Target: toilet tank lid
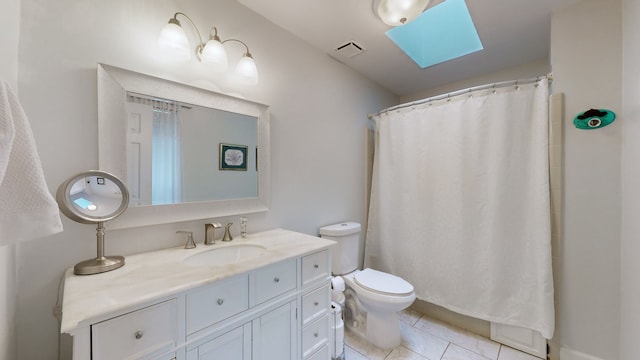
(342, 229)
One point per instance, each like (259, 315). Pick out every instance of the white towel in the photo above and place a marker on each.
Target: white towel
(27, 208)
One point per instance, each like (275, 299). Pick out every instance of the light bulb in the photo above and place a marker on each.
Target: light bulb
(173, 38)
(247, 70)
(214, 53)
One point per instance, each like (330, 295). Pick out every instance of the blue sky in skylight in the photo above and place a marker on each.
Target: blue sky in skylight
(444, 32)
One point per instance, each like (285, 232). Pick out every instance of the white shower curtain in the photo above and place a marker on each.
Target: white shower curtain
(166, 170)
(460, 204)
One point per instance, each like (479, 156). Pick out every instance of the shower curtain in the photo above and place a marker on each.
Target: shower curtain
(166, 163)
(460, 204)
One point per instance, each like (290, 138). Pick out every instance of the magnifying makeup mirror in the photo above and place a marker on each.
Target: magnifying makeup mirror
(94, 197)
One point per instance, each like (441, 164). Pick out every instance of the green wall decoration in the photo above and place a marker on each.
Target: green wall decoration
(594, 119)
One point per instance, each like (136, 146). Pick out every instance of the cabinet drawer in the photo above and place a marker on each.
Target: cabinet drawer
(137, 334)
(275, 280)
(217, 302)
(315, 335)
(315, 267)
(322, 354)
(315, 304)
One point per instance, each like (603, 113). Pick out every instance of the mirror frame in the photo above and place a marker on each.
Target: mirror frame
(113, 85)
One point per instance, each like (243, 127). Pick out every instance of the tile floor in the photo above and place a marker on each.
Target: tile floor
(424, 338)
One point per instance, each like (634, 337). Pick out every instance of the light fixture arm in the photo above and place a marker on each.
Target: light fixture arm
(247, 53)
(214, 36)
(174, 20)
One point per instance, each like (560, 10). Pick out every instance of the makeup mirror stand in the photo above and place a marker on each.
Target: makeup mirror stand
(100, 263)
(94, 197)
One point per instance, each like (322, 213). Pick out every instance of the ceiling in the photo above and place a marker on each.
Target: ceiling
(513, 33)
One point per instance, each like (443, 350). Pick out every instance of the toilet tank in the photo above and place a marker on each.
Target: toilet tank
(344, 255)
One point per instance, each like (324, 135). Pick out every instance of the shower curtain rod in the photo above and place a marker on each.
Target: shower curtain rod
(465, 91)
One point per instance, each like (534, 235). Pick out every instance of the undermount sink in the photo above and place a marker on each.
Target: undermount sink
(227, 255)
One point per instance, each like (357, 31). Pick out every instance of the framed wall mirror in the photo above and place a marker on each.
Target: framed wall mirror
(163, 139)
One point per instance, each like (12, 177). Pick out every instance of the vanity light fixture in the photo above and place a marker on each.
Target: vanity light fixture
(399, 12)
(174, 39)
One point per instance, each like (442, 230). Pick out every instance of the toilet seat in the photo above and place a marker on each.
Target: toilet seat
(383, 283)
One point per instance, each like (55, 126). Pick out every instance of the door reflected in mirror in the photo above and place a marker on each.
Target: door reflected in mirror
(173, 152)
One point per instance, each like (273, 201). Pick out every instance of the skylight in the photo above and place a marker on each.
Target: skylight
(444, 32)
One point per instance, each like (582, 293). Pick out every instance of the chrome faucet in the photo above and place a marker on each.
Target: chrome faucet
(209, 233)
(190, 244)
(227, 235)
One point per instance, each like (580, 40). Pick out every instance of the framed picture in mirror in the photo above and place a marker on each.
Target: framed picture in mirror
(233, 157)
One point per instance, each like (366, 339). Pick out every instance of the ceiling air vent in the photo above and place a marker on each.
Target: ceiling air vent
(350, 49)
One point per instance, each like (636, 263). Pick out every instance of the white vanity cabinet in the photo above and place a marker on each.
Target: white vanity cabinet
(275, 308)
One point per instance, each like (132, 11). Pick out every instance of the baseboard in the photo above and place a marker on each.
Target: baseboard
(569, 354)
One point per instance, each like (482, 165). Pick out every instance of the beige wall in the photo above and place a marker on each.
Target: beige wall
(9, 41)
(630, 306)
(526, 71)
(586, 55)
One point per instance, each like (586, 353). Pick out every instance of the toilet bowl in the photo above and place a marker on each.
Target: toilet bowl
(381, 296)
(374, 298)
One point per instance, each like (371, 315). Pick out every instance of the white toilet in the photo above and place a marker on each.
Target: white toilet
(373, 298)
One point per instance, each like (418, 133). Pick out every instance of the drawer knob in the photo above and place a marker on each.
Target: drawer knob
(139, 334)
(276, 280)
(315, 303)
(315, 334)
(220, 301)
(316, 266)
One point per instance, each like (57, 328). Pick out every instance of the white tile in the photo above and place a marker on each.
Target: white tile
(431, 339)
(507, 353)
(455, 352)
(423, 343)
(409, 316)
(402, 353)
(478, 344)
(350, 354)
(360, 345)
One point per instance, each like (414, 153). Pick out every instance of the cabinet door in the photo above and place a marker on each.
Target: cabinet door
(275, 334)
(233, 345)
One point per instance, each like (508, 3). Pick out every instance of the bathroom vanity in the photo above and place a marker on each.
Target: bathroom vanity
(263, 297)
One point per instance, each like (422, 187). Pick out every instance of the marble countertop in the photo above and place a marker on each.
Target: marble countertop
(160, 274)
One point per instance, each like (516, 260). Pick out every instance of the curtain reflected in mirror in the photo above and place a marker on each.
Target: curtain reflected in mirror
(172, 152)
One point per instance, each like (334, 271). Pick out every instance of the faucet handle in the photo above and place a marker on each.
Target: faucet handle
(227, 233)
(190, 244)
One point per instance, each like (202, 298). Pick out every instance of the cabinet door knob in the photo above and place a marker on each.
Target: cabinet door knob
(315, 334)
(276, 280)
(316, 266)
(220, 301)
(315, 303)
(139, 334)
